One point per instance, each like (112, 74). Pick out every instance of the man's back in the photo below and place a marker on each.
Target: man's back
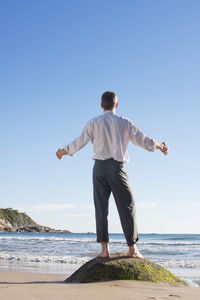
(110, 135)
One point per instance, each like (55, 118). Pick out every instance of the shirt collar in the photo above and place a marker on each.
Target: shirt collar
(109, 112)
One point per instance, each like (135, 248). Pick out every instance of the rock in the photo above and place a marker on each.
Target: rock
(119, 266)
(6, 226)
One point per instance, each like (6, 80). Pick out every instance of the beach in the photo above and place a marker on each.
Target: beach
(55, 253)
(35, 265)
(25, 286)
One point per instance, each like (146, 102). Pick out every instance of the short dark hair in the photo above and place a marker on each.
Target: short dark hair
(108, 100)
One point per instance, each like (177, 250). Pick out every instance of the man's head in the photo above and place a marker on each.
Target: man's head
(109, 101)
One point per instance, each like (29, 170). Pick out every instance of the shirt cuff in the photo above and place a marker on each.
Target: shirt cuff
(152, 145)
(68, 151)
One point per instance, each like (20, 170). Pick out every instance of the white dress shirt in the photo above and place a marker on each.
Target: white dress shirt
(110, 135)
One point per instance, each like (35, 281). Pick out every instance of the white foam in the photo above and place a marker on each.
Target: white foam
(44, 259)
(74, 240)
(81, 260)
(45, 238)
(181, 264)
(169, 243)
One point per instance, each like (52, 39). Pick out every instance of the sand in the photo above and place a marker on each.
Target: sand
(25, 286)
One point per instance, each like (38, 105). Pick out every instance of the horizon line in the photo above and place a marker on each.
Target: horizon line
(89, 232)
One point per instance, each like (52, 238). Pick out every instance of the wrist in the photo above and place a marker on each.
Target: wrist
(159, 146)
(64, 152)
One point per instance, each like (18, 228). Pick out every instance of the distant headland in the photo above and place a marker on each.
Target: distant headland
(13, 221)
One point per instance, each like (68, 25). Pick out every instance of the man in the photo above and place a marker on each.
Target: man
(110, 135)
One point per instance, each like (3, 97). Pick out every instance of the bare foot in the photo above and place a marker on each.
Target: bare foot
(133, 252)
(105, 250)
(103, 254)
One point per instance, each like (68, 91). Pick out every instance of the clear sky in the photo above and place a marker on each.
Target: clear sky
(56, 59)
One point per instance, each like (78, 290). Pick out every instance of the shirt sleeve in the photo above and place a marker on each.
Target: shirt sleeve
(81, 141)
(138, 138)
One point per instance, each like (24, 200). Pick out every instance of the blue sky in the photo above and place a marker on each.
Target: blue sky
(57, 58)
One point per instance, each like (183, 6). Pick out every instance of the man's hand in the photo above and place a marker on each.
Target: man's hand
(60, 153)
(162, 147)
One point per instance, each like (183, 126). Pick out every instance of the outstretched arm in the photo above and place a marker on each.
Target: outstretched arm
(77, 144)
(139, 138)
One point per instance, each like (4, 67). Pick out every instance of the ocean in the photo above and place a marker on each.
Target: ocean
(63, 253)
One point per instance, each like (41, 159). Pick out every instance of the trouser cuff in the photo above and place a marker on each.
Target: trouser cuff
(133, 242)
(104, 241)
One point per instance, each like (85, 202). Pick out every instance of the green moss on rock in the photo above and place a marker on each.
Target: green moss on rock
(121, 267)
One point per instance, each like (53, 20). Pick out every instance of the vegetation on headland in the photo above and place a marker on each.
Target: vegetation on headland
(12, 220)
(15, 218)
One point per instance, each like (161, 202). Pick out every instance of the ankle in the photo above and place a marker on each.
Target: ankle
(132, 247)
(105, 247)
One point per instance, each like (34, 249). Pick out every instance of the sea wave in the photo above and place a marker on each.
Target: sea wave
(181, 264)
(44, 259)
(169, 243)
(74, 240)
(81, 260)
(45, 239)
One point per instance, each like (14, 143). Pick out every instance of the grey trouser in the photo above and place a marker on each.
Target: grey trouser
(110, 176)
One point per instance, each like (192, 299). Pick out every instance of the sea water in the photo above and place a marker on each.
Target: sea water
(64, 253)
